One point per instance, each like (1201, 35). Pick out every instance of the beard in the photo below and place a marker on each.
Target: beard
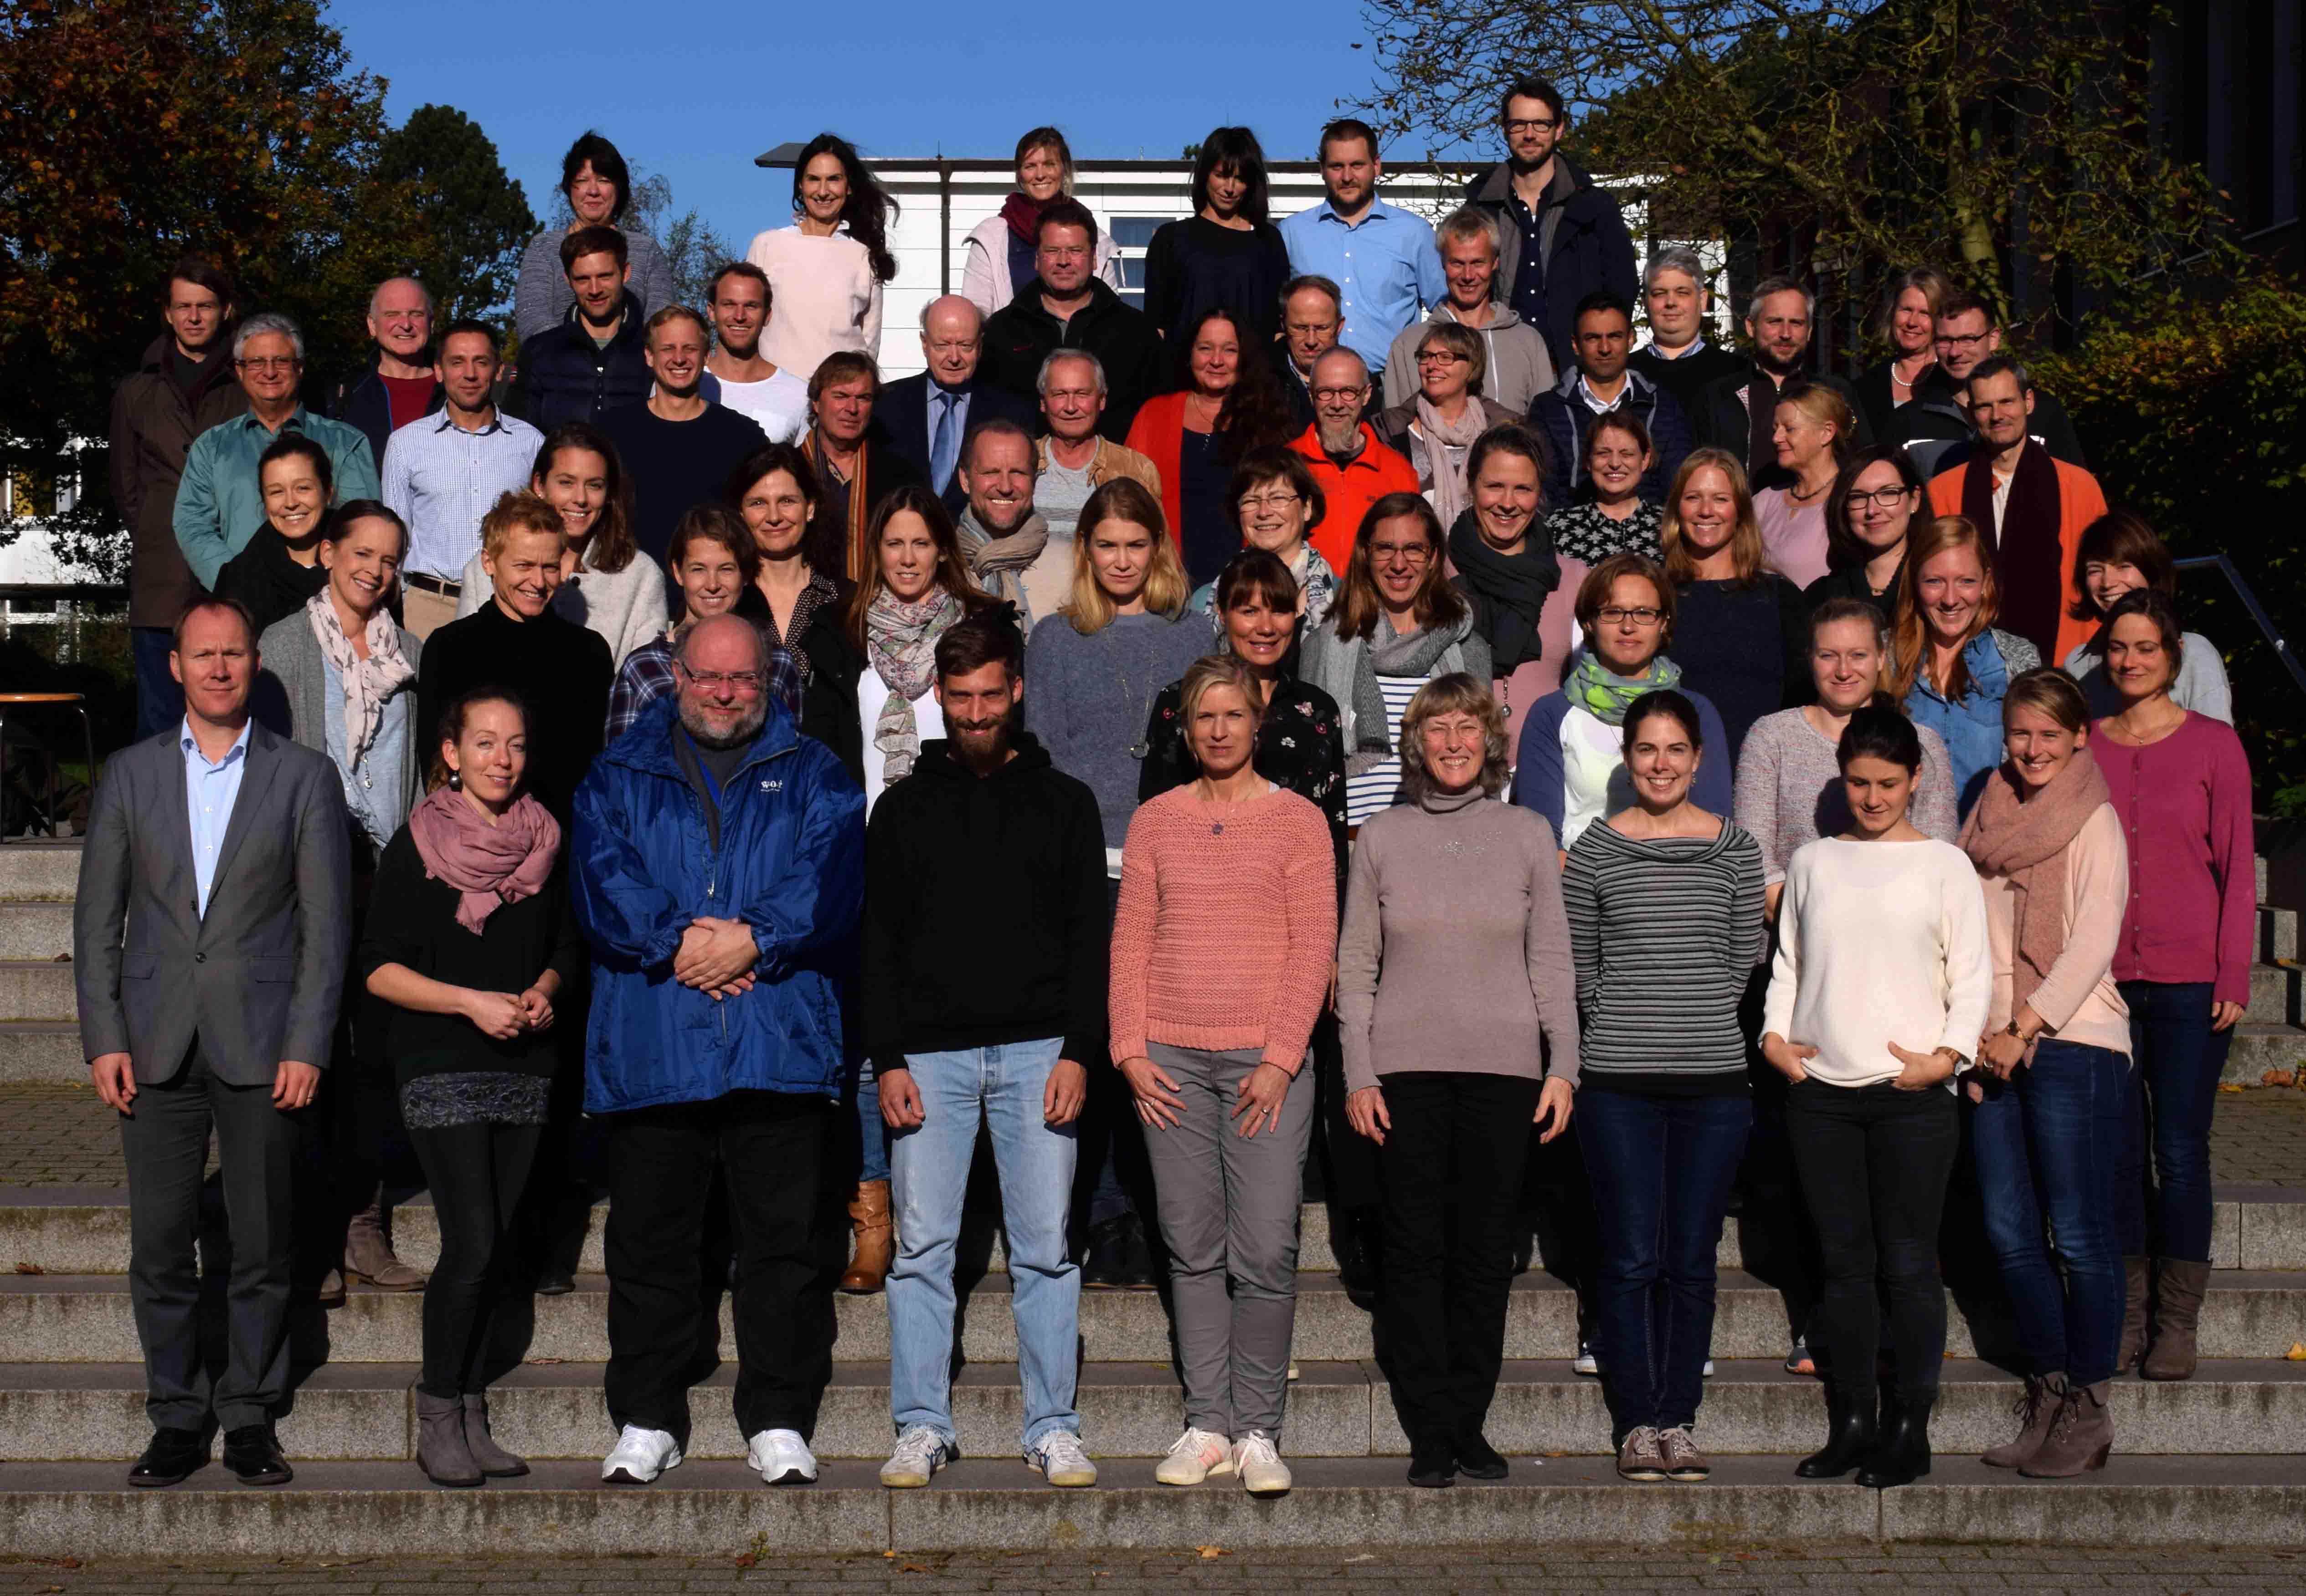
(746, 728)
(985, 745)
(735, 351)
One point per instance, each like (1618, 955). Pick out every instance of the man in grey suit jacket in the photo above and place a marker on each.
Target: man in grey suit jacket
(210, 938)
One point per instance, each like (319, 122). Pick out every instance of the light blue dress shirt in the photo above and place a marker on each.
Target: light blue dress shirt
(375, 790)
(1386, 264)
(442, 480)
(210, 790)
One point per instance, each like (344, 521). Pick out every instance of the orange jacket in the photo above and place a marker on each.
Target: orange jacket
(1158, 433)
(2079, 503)
(1347, 495)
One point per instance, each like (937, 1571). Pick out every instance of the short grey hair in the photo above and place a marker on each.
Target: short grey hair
(1674, 257)
(1779, 285)
(431, 309)
(1469, 221)
(268, 322)
(1334, 350)
(1096, 366)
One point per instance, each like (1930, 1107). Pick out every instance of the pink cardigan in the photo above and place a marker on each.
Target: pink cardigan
(2077, 999)
(2184, 804)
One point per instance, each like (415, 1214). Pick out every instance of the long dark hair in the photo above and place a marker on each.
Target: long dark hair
(1357, 608)
(1255, 412)
(609, 546)
(1238, 149)
(869, 207)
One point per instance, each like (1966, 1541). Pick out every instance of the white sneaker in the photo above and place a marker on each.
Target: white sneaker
(1585, 1363)
(1058, 1458)
(782, 1457)
(1194, 1456)
(640, 1455)
(1707, 1372)
(920, 1453)
(1258, 1462)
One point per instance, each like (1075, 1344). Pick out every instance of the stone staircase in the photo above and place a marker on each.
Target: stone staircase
(2217, 1459)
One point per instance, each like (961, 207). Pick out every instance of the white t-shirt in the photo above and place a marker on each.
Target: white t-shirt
(780, 404)
(1595, 781)
(872, 693)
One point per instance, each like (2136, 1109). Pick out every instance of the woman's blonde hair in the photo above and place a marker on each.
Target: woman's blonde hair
(1208, 672)
(1458, 692)
(519, 510)
(1745, 548)
(1826, 408)
(2052, 693)
(1909, 639)
(1167, 590)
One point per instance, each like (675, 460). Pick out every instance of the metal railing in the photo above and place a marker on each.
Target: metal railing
(62, 609)
(2249, 598)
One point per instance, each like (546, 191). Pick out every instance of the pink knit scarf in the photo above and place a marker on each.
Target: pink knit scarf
(2026, 840)
(488, 864)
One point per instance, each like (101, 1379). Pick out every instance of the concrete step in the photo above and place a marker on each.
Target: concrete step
(54, 1412)
(2274, 993)
(37, 989)
(41, 1053)
(35, 930)
(719, 1508)
(2259, 1048)
(85, 1319)
(38, 871)
(2277, 933)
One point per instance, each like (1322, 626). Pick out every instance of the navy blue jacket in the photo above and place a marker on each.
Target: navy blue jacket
(565, 377)
(1565, 421)
(785, 854)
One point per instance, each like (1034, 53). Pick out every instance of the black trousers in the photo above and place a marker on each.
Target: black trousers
(1873, 1163)
(477, 1174)
(1348, 1163)
(1451, 1167)
(771, 1148)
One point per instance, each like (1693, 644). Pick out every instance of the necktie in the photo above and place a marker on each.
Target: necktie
(944, 448)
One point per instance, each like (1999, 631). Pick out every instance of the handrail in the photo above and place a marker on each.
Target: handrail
(2257, 612)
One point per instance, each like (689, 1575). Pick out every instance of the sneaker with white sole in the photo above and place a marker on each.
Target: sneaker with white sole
(920, 1452)
(1058, 1458)
(1706, 1373)
(1194, 1456)
(1258, 1460)
(640, 1455)
(1585, 1363)
(783, 1458)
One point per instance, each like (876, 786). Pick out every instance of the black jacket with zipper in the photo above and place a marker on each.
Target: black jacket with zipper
(1587, 249)
(565, 377)
(1021, 334)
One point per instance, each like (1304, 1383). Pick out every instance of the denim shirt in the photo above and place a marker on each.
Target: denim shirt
(373, 791)
(1970, 725)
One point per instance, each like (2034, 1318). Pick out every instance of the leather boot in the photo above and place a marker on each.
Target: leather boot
(368, 1251)
(442, 1451)
(494, 1461)
(877, 1248)
(2079, 1440)
(1902, 1453)
(1849, 1435)
(2035, 1412)
(2177, 1307)
(2135, 1278)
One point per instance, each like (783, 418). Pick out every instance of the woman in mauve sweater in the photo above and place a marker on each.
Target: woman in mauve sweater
(1454, 986)
(2181, 783)
(1876, 996)
(1232, 873)
(1664, 901)
(826, 271)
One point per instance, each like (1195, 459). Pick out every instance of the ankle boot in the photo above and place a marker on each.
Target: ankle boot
(442, 1451)
(877, 1248)
(1850, 1434)
(2135, 1279)
(2081, 1439)
(2177, 1307)
(368, 1251)
(1902, 1453)
(2036, 1412)
(492, 1460)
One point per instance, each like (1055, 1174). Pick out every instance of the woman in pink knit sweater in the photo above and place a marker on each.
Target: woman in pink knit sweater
(1221, 952)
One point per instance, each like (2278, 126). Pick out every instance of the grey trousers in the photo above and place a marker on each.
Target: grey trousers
(1228, 1208)
(165, 1139)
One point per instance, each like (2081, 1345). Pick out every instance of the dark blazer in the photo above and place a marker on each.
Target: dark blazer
(900, 415)
(153, 424)
(1587, 248)
(258, 977)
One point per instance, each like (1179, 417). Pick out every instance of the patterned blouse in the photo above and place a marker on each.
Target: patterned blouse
(1582, 532)
(1301, 748)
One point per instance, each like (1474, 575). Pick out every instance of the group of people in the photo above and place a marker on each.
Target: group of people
(1451, 730)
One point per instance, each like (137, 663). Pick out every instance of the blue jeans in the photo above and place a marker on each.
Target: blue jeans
(2171, 1096)
(159, 701)
(2048, 1143)
(1661, 1168)
(928, 1167)
(872, 1134)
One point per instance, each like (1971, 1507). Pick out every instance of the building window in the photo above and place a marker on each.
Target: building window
(1131, 235)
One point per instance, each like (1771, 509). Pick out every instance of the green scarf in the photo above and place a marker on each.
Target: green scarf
(1606, 695)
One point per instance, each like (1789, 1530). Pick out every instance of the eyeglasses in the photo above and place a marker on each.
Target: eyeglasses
(740, 681)
(1532, 124)
(1403, 554)
(269, 362)
(1267, 501)
(1437, 357)
(1617, 615)
(1962, 340)
(1887, 498)
(1339, 395)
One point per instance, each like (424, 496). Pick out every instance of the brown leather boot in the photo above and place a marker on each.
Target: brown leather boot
(2135, 1277)
(868, 1210)
(2080, 1438)
(369, 1255)
(2177, 1307)
(2035, 1412)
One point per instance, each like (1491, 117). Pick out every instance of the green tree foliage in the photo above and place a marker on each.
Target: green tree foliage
(473, 220)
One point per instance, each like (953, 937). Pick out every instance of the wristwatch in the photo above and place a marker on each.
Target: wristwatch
(1961, 1059)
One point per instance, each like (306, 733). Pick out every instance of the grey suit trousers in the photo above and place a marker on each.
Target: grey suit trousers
(166, 1139)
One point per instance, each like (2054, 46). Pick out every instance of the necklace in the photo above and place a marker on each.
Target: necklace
(1209, 800)
(1798, 497)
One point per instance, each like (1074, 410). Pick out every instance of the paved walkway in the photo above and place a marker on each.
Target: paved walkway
(1953, 1570)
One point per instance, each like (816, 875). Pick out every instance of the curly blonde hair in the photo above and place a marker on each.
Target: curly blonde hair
(1458, 692)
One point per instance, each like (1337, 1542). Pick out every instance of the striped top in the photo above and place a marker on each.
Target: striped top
(1374, 788)
(1665, 935)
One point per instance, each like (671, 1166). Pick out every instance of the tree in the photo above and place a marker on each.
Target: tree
(694, 249)
(2007, 140)
(471, 220)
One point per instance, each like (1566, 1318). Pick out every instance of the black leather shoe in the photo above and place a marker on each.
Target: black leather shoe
(553, 1281)
(253, 1454)
(1902, 1454)
(1850, 1438)
(172, 1455)
(1477, 1459)
(1106, 1267)
(1138, 1272)
(1433, 1465)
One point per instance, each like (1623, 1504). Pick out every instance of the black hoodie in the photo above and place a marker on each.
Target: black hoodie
(984, 910)
(1022, 334)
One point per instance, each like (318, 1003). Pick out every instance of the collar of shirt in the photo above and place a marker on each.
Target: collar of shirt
(1596, 403)
(248, 423)
(496, 423)
(1378, 211)
(1694, 346)
(191, 747)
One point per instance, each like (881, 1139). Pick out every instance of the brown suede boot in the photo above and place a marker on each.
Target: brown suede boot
(2035, 1412)
(369, 1255)
(2135, 1278)
(2079, 1440)
(876, 1240)
(2177, 1307)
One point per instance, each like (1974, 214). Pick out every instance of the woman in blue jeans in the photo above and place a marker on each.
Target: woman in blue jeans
(2053, 1074)
(1664, 902)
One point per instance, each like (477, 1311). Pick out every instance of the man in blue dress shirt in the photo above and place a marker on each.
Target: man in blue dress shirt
(1380, 255)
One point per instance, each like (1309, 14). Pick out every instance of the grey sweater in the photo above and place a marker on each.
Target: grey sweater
(1455, 954)
(1790, 788)
(1088, 698)
(541, 297)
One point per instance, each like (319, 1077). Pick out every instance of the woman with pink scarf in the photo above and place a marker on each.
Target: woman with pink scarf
(471, 943)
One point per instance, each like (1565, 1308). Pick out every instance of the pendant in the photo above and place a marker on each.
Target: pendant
(1138, 750)
(1218, 829)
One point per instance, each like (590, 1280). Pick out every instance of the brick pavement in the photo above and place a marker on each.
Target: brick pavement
(1953, 1570)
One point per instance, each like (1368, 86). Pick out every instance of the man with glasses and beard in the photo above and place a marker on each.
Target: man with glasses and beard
(717, 869)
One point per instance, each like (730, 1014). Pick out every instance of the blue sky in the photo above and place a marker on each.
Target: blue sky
(697, 90)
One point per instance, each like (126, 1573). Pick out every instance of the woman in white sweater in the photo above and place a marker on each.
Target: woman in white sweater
(826, 271)
(1879, 991)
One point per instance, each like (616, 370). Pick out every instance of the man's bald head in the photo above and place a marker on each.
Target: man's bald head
(952, 334)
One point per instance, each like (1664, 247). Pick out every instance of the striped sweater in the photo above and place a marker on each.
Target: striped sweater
(1665, 936)
(1225, 928)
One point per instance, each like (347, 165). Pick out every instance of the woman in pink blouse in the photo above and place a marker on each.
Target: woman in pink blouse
(2181, 783)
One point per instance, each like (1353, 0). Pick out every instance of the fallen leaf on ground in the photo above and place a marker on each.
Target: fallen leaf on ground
(1210, 1551)
(2278, 1078)
(2231, 1086)
(2297, 1353)
(23, 1268)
